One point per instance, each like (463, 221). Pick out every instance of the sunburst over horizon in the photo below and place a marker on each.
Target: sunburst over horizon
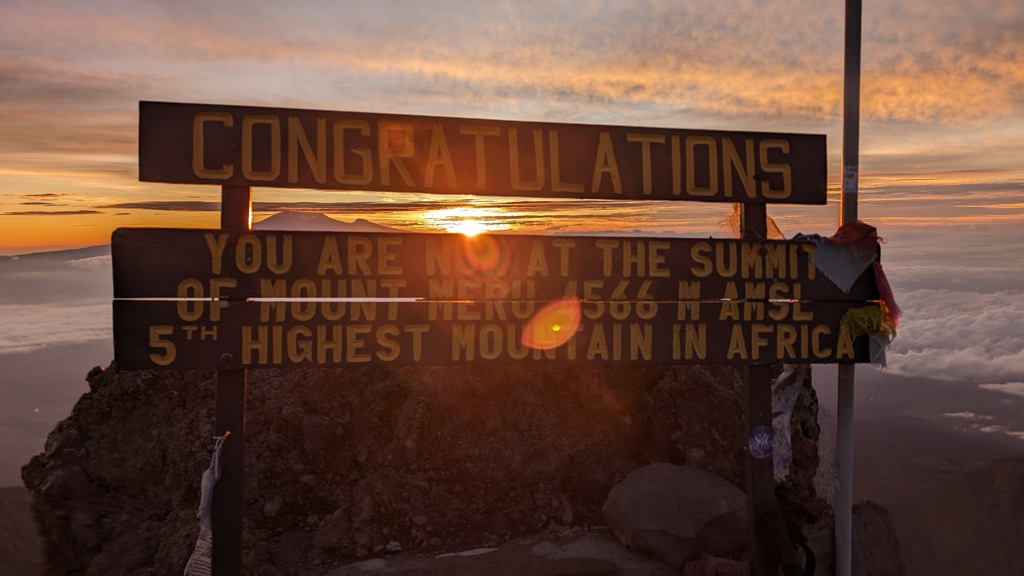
(467, 220)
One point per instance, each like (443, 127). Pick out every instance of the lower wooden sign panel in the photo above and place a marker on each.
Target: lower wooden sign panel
(185, 263)
(296, 334)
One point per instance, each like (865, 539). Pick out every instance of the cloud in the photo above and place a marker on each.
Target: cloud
(34, 326)
(168, 206)
(674, 60)
(92, 263)
(54, 298)
(998, 429)
(72, 278)
(1012, 388)
(961, 335)
(52, 213)
(70, 79)
(967, 416)
(592, 216)
(961, 289)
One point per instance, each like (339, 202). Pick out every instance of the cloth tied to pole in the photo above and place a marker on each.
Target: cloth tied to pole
(201, 561)
(844, 257)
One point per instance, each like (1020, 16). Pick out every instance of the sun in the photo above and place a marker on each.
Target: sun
(468, 220)
(467, 227)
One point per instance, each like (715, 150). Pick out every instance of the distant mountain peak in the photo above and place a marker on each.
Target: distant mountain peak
(317, 222)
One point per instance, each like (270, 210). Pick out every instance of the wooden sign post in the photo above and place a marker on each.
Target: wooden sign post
(233, 298)
(229, 493)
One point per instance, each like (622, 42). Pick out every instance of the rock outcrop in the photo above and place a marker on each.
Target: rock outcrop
(384, 466)
(342, 463)
(19, 545)
(875, 551)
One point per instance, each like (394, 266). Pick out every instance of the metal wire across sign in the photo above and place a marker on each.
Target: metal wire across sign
(233, 298)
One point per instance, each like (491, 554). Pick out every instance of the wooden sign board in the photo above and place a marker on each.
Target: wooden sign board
(194, 263)
(304, 334)
(299, 299)
(289, 148)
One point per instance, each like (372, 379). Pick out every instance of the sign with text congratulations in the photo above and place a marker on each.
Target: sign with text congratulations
(290, 148)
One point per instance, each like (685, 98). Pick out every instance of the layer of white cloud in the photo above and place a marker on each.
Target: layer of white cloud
(961, 289)
(1012, 388)
(33, 326)
(92, 263)
(997, 429)
(959, 335)
(965, 415)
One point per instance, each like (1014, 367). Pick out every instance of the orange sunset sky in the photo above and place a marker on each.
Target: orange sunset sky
(942, 132)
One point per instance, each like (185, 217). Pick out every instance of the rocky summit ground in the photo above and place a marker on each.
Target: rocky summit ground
(341, 464)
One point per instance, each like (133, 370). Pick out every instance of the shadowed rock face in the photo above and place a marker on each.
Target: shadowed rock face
(875, 551)
(341, 463)
(19, 545)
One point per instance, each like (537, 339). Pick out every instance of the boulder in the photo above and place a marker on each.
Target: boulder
(669, 511)
(876, 552)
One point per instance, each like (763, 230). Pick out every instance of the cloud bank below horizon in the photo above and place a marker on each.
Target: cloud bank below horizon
(30, 327)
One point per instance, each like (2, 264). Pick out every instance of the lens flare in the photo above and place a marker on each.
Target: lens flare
(553, 325)
(482, 253)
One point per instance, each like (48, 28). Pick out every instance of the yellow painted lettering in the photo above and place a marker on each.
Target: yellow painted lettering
(605, 163)
(315, 159)
(784, 170)
(249, 122)
(199, 149)
(538, 159)
(216, 246)
(556, 168)
(394, 142)
(438, 155)
(341, 173)
(479, 133)
(737, 344)
(692, 187)
(354, 338)
(645, 141)
(742, 167)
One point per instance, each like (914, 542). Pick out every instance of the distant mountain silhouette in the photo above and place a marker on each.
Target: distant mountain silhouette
(317, 222)
(289, 220)
(62, 255)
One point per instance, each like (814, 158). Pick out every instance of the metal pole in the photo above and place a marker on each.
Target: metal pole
(229, 493)
(851, 113)
(848, 215)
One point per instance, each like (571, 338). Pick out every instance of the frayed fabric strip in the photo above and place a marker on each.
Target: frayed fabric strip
(201, 561)
(885, 294)
(785, 392)
(210, 478)
(876, 324)
(877, 346)
(840, 264)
